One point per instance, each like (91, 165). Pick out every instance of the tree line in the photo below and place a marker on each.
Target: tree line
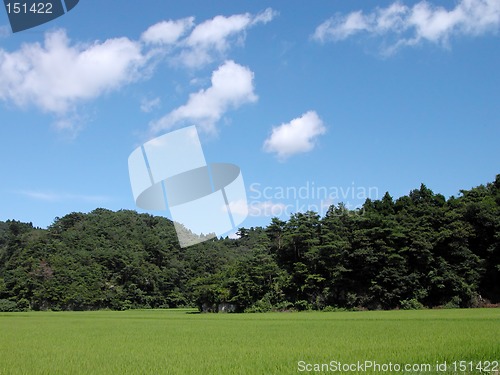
(420, 250)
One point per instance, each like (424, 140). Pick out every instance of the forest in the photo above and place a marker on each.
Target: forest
(418, 251)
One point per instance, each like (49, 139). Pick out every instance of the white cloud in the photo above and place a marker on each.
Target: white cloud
(167, 32)
(4, 31)
(232, 86)
(258, 208)
(215, 36)
(57, 76)
(264, 17)
(70, 124)
(338, 29)
(297, 136)
(62, 196)
(267, 209)
(215, 32)
(233, 236)
(412, 25)
(237, 207)
(147, 105)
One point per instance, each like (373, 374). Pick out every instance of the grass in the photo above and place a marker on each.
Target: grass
(180, 342)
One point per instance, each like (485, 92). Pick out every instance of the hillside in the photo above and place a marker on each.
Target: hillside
(418, 250)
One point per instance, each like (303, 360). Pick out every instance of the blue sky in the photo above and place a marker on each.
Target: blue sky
(316, 102)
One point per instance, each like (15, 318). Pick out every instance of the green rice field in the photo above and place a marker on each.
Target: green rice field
(181, 341)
